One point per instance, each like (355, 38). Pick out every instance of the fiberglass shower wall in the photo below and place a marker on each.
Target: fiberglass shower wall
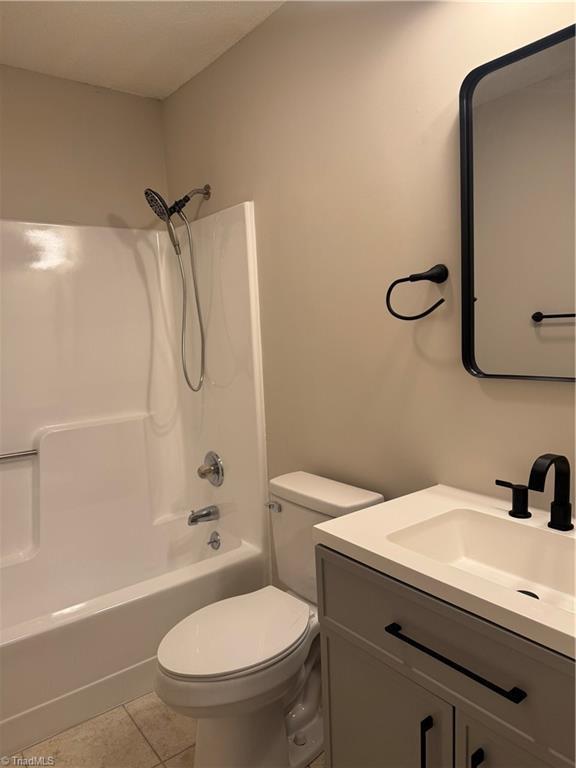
(90, 361)
(92, 379)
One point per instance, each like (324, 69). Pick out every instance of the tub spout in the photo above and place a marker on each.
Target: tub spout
(204, 515)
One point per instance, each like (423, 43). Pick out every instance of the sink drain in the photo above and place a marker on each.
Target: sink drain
(527, 592)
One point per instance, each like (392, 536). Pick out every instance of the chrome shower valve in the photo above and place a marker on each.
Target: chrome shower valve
(212, 469)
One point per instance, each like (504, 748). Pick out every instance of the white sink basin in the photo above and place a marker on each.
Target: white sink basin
(465, 549)
(498, 549)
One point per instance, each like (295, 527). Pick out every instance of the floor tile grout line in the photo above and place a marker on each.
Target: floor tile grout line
(192, 746)
(144, 736)
(171, 757)
(122, 706)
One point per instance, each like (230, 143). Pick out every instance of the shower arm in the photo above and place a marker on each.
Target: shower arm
(178, 205)
(205, 190)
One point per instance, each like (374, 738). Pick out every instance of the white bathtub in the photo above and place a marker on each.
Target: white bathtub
(64, 667)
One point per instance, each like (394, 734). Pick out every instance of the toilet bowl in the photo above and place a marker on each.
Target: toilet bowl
(248, 667)
(252, 692)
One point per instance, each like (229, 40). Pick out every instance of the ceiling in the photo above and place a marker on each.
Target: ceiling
(146, 48)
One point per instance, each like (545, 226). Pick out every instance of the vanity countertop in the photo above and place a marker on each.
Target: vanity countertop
(464, 548)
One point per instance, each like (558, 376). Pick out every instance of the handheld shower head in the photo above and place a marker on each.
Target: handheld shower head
(165, 213)
(160, 208)
(157, 203)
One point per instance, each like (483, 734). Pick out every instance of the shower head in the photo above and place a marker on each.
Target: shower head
(157, 203)
(165, 212)
(160, 208)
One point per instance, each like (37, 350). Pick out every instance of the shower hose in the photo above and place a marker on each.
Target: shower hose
(198, 386)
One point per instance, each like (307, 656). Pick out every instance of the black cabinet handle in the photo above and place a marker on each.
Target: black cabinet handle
(425, 726)
(515, 695)
(476, 758)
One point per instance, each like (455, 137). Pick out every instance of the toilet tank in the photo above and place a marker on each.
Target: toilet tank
(304, 500)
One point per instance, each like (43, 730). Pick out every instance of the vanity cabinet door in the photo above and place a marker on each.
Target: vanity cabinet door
(377, 718)
(479, 747)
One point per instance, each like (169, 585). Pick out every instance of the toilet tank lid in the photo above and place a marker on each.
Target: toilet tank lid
(329, 497)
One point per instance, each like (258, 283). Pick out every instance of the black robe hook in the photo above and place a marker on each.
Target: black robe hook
(437, 274)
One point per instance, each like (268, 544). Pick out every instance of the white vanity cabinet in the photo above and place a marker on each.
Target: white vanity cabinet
(379, 717)
(410, 681)
(477, 746)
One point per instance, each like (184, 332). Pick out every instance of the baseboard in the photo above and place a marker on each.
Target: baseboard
(51, 717)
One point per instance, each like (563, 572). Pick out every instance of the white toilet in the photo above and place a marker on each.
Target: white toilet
(249, 667)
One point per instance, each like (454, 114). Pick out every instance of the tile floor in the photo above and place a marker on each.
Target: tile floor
(144, 733)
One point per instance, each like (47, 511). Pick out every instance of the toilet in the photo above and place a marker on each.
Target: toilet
(248, 667)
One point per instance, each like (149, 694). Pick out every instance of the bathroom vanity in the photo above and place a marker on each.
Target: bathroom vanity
(423, 661)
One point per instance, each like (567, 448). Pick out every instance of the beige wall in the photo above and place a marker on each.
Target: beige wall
(341, 122)
(72, 153)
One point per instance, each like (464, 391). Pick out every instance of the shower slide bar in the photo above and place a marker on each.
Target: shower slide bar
(18, 455)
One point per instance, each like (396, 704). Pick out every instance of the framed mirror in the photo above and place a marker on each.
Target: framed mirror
(518, 208)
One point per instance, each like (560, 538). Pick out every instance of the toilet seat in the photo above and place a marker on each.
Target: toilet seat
(235, 637)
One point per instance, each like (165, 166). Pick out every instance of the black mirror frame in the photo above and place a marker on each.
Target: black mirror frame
(467, 197)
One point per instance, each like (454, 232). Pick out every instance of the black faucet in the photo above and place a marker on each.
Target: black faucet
(560, 509)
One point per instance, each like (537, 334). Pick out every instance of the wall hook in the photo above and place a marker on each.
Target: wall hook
(437, 274)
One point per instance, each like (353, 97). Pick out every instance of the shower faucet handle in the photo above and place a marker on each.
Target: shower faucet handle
(212, 469)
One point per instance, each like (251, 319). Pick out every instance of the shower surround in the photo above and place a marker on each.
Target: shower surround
(97, 561)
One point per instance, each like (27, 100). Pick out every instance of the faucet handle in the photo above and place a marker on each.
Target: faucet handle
(212, 469)
(519, 498)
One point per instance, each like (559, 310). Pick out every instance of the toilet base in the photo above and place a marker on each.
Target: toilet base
(302, 755)
(257, 740)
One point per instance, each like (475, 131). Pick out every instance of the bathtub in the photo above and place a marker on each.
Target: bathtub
(66, 666)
